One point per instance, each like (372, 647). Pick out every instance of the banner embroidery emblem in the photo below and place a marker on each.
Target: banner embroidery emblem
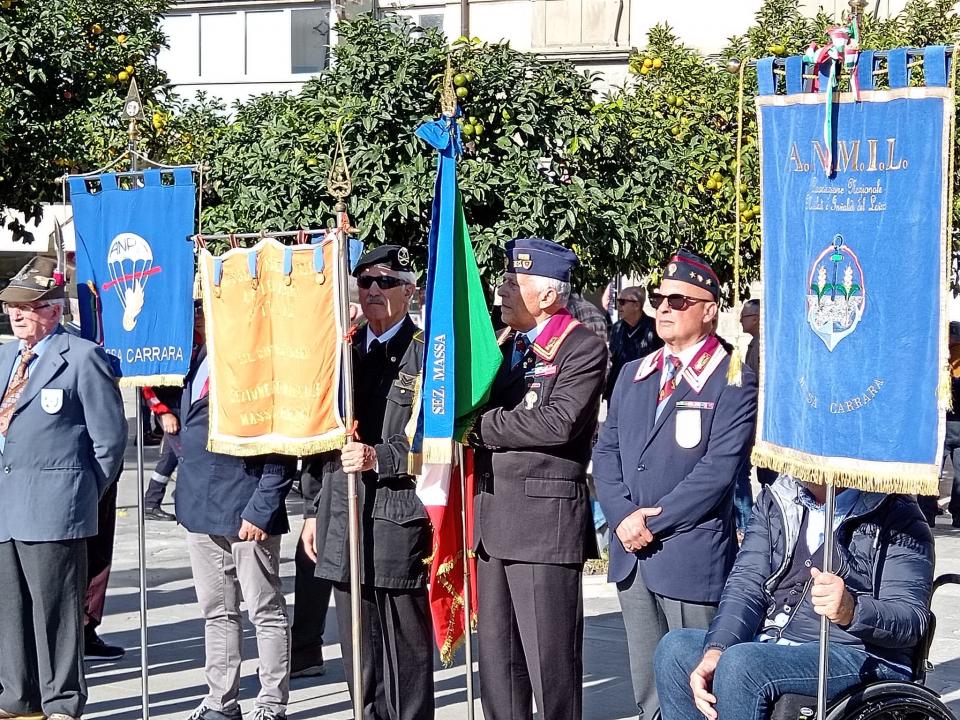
(838, 293)
(130, 263)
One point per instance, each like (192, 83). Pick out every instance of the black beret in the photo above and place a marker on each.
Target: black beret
(394, 257)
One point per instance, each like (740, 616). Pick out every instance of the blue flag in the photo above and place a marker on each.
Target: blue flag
(854, 380)
(135, 272)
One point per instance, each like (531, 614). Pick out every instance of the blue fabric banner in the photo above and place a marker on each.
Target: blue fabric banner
(135, 272)
(853, 315)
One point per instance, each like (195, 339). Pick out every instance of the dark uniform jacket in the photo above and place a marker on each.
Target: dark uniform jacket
(533, 446)
(685, 462)
(630, 343)
(395, 530)
(215, 492)
(884, 553)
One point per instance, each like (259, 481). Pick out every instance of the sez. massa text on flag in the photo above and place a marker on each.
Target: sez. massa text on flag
(135, 271)
(461, 358)
(273, 339)
(853, 373)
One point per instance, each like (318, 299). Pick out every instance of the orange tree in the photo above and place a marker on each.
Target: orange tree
(58, 61)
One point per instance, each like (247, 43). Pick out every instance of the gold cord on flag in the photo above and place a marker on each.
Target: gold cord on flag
(735, 369)
(944, 394)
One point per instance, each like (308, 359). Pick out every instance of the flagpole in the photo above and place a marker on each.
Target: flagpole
(824, 660)
(467, 595)
(133, 111)
(339, 186)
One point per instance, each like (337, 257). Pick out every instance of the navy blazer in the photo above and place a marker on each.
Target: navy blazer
(65, 443)
(685, 462)
(215, 492)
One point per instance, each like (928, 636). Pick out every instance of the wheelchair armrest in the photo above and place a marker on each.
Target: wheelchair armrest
(946, 579)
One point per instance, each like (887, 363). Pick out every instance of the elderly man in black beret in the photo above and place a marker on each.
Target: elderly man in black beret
(665, 467)
(533, 528)
(397, 637)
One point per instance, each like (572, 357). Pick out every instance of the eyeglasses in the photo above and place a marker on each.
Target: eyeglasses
(624, 301)
(384, 282)
(24, 308)
(675, 301)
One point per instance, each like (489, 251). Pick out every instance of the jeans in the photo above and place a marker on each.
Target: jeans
(743, 497)
(751, 676)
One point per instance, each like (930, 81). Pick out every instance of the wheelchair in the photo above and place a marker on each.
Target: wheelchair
(882, 699)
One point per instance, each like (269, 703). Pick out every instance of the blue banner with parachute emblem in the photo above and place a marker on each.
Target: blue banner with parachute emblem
(854, 378)
(135, 271)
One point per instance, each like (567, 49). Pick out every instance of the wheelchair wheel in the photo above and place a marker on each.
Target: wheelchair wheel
(890, 701)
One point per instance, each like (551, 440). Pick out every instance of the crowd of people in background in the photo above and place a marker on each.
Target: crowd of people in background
(721, 597)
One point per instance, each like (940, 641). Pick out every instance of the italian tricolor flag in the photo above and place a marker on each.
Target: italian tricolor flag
(460, 362)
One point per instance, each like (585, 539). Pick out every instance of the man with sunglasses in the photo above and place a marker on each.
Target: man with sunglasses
(533, 529)
(665, 467)
(62, 436)
(397, 637)
(633, 336)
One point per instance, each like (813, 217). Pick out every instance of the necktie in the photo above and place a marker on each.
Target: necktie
(374, 346)
(521, 344)
(672, 369)
(18, 384)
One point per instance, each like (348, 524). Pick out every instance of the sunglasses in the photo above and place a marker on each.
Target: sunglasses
(675, 301)
(624, 301)
(384, 282)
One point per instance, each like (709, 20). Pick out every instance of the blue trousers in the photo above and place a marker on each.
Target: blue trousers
(743, 497)
(750, 677)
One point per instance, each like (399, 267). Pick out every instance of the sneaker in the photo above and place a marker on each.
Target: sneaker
(61, 716)
(94, 648)
(157, 513)
(262, 713)
(207, 713)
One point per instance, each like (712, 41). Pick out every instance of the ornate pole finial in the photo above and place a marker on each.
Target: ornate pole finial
(448, 94)
(339, 182)
(857, 7)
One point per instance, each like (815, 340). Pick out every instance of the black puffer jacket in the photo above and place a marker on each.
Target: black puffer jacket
(884, 553)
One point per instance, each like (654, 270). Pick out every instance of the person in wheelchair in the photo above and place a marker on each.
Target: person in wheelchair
(764, 641)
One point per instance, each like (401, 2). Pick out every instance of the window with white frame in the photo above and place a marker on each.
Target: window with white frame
(599, 24)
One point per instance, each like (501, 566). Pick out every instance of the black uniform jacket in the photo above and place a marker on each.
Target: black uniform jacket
(534, 440)
(395, 530)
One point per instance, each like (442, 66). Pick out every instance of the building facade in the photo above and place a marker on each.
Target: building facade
(236, 48)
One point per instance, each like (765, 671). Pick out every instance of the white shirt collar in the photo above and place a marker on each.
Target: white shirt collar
(387, 335)
(685, 356)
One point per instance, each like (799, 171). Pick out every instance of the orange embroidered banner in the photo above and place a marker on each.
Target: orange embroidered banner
(273, 341)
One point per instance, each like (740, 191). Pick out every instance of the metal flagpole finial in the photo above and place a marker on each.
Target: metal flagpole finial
(339, 182)
(133, 107)
(448, 94)
(857, 7)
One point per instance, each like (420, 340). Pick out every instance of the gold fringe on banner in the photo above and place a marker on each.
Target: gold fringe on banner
(437, 451)
(265, 446)
(136, 381)
(864, 475)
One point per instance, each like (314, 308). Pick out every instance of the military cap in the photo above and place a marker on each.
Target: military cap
(37, 280)
(693, 269)
(394, 257)
(536, 256)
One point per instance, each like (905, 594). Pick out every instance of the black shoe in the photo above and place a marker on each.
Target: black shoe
(205, 713)
(157, 513)
(956, 522)
(94, 648)
(308, 664)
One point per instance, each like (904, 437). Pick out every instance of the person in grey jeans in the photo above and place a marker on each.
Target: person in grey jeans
(234, 509)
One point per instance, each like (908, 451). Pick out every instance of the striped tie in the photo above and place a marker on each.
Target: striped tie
(521, 345)
(672, 369)
(18, 383)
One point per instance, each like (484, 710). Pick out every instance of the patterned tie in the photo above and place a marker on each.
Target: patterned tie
(521, 344)
(18, 383)
(672, 369)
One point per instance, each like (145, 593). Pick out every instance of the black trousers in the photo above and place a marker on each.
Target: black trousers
(100, 558)
(41, 626)
(396, 646)
(530, 635)
(311, 598)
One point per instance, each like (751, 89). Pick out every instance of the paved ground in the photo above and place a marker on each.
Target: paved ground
(176, 636)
